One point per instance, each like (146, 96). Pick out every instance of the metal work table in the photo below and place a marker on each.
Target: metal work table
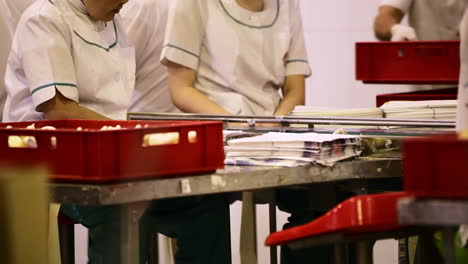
(134, 196)
(230, 179)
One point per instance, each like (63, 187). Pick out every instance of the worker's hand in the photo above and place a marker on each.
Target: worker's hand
(403, 33)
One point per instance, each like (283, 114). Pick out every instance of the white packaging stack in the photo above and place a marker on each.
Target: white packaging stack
(291, 149)
(433, 109)
(332, 112)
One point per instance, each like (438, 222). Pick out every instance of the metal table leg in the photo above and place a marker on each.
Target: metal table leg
(364, 252)
(248, 239)
(448, 235)
(340, 254)
(130, 218)
(428, 252)
(153, 257)
(272, 214)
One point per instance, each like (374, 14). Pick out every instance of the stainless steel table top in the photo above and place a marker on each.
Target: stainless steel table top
(229, 179)
(435, 212)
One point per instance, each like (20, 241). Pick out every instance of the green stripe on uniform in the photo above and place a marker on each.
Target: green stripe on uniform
(291, 61)
(99, 46)
(252, 26)
(182, 49)
(52, 84)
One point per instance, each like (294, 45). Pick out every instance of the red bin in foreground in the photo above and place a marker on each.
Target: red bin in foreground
(436, 167)
(79, 151)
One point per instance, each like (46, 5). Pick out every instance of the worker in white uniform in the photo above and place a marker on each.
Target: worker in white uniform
(50, 74)
(71, 59)
(241, 57)
(233, 56)
(200, 225)
(10, 13)
(428, 19)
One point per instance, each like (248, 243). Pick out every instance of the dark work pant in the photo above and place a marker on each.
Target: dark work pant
(200, 226)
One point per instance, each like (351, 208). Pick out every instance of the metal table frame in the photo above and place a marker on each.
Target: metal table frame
(134, 195)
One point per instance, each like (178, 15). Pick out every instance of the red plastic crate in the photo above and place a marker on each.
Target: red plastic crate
(436, 166)
(418, 62)
(92, 155)
(440, 94)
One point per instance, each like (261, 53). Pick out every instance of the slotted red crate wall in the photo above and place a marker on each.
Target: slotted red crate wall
(92, 155)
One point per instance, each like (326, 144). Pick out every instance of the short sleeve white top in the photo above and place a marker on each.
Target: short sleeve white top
(241, 57)
(58, 46)
(10, 14)
(145, 22)
(432, 19)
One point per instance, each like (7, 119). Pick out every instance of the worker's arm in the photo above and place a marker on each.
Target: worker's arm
(387, 25)
(60, 107)
(293, 94)
(185, 96)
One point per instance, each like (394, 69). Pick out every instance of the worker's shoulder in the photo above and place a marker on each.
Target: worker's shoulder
(42, 11)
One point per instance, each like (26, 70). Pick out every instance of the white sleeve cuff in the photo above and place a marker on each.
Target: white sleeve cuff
(46, 92)
(298, 67)
(403, 5)
(180, 56)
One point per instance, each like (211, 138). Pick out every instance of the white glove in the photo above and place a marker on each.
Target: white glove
(403, 33)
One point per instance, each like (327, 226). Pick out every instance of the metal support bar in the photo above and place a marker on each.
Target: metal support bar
(130, 244)
(67, 243)
(272, 215)
(153, 257)
(364, 251)
(248, 239)
(288, 120)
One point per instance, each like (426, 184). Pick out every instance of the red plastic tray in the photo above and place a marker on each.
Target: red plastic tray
(355, 216)
(419, 62)
(436, 166)
(92, 155)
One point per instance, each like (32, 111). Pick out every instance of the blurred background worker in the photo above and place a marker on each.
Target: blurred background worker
(10, 14)
(145, 22)
(428, 19)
